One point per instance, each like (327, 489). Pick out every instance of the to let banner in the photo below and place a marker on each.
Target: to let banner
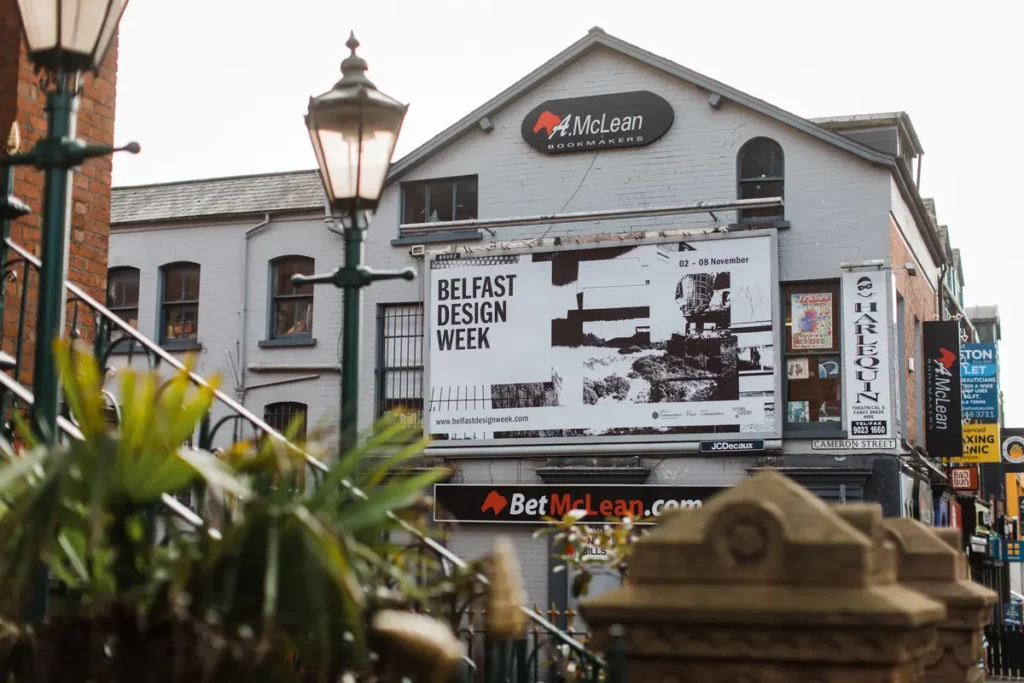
(942, 416)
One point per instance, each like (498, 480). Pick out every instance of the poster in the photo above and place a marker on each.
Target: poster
(650, 339)
(979, 383)
(867, 361)
(811, 321)
(798, 368)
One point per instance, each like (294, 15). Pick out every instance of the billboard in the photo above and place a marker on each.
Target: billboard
(866, 327)
(943, 422)
(667, 340)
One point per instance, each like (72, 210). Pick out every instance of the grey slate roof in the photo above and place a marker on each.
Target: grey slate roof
(980, 313)
(253, 194)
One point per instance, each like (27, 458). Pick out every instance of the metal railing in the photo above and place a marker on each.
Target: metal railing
(91, 320)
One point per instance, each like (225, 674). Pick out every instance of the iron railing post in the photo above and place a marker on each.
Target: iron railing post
(62, 107)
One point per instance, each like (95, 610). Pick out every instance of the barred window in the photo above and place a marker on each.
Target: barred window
(399, 366)
(280, 416)
(123, 297)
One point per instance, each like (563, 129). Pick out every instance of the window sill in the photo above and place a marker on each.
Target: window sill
(289, 342)
(441, 235)
(181, 345)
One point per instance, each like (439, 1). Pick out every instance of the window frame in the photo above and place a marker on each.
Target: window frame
(381, 369)
(271, 415)
(174, 342)
(273, 339)
(741, 181)
(427, 182)
(119, 310)
(828, 429)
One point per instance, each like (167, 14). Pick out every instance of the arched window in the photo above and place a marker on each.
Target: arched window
(282, 416)
(123, 297)
(291, 307)
(179, 302)
(761, 169)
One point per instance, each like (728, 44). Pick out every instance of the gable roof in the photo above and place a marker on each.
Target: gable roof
(231, 196)
(598, 38)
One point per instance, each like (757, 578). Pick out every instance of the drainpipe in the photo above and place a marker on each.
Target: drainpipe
(329, 219)
(240, 380)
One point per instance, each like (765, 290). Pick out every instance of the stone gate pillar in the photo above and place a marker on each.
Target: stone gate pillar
(931, 561)
(767, 584)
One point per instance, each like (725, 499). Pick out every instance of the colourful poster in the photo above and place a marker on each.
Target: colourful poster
(812, 321)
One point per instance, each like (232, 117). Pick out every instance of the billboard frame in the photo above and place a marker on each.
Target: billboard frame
(453, 446)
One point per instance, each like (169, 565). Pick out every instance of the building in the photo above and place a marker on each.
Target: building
(612, 204)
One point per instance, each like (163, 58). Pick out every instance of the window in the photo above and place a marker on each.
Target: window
(179, 307)
(399, 366)
(291, 306)
(439, 201)
(813, 361)
(761, 170)
(123, 297)
(282, 417)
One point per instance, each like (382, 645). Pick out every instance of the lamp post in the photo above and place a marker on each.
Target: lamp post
(65, 38)
(353, 128)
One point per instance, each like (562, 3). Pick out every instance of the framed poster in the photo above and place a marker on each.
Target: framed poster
(812, 321)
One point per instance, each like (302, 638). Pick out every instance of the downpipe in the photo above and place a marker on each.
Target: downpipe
(240, 379)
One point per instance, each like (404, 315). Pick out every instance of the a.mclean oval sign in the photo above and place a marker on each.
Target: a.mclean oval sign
(581, 124)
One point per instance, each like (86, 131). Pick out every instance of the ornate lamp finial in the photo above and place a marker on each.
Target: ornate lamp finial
(353, 68)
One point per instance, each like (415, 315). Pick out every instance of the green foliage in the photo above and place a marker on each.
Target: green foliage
(287, 572)
(592, 549)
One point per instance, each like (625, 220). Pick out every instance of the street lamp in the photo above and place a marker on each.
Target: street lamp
(353, 128)
(64, 38)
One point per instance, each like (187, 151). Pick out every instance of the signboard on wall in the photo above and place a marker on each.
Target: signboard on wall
(531, 504)
(586, 124)
(867, 365)
(979, 382)
(943, 422)
(1013, 449)
(670, 340)
(964, 478)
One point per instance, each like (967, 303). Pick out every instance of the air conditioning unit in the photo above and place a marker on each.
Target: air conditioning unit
(418, 250)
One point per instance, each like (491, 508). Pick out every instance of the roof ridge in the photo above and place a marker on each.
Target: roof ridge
(196, 181)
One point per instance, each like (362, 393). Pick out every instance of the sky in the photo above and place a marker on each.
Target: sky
(219, 87)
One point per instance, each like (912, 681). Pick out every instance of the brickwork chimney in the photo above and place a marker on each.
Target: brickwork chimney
(22, 99)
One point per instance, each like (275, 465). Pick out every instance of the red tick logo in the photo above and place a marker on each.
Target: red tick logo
(546, 121)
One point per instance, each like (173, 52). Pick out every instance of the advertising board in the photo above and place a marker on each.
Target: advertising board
(943, 421)
(652, 340)
(532, 504)
(868, 369)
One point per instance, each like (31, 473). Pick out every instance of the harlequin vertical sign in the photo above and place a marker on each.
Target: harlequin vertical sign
(866, 344)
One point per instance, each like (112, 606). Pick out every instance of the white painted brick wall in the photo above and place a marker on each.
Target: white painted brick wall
(218, 250)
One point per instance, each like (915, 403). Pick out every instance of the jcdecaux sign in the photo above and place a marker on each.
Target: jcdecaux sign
(535, 504)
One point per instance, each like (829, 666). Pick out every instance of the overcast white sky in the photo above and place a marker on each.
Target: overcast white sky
(219, 87)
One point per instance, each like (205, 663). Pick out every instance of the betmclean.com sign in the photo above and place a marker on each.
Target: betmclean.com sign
(637, 340)
(532, 504)
(943, 426)
(866, 343)
(580, 124)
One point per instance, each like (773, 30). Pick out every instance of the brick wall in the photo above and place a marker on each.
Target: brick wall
(919, 300)
(23, 100)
